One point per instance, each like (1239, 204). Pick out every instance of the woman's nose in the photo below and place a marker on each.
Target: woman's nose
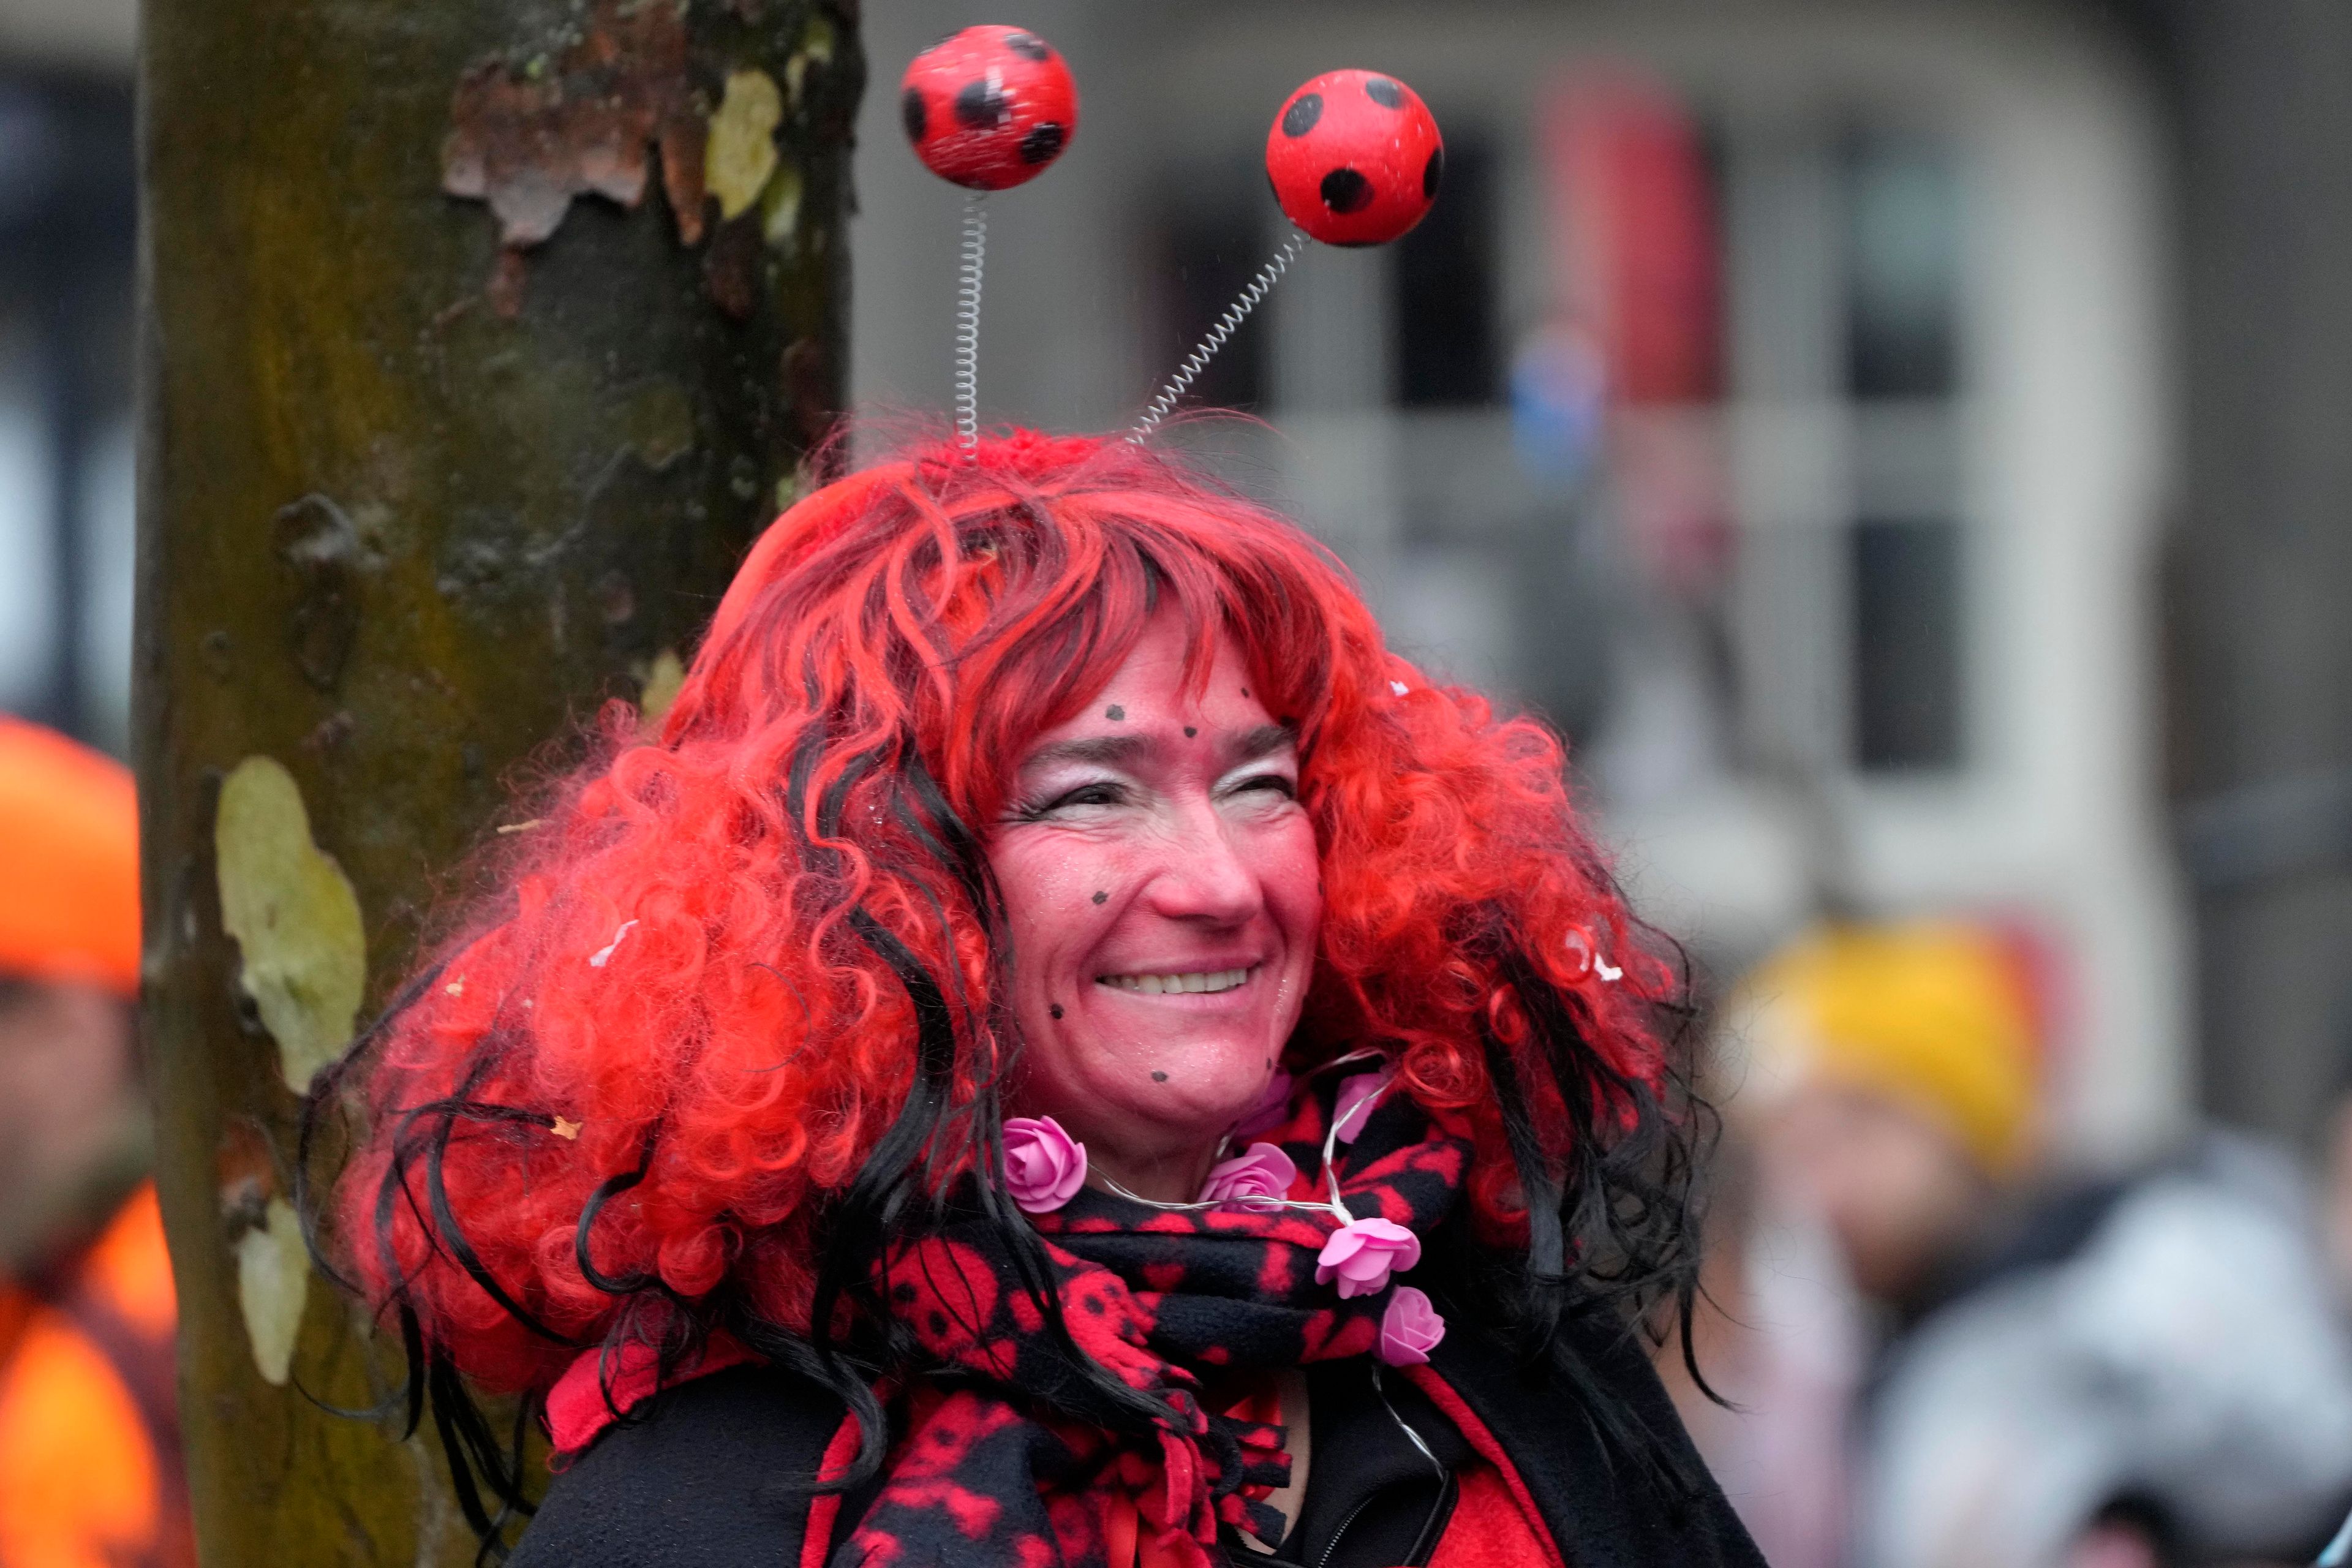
(1205, 874)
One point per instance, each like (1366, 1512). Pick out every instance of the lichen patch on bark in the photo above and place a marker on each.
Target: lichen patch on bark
(302, 948)
(741, 151)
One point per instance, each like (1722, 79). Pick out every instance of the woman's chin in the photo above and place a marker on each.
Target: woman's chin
(1177, 1099)
(1206, 1107)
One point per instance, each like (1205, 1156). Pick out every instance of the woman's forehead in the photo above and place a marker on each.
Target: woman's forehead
(1158, 689)
(1229, 745)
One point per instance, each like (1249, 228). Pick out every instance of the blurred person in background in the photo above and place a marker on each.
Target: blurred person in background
(90, 1462)
(2335, 1178)
(2034, 1370)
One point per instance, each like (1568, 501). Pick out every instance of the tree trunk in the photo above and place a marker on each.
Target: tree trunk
(479, 341)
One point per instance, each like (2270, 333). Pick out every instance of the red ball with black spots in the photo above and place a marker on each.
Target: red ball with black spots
(1355, 158)
(989, 107)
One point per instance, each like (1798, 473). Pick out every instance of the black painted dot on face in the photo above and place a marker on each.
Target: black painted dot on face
(1346, 191)
(1159, 1077)
(1044, 140)
(1304, 112)
(1433, 174)
(980, 105)
(1028, 46)
(1189, 731)
(912, 110)
(1384, 92)
(1102, 898)
(1115, 713)
(1055, 1009)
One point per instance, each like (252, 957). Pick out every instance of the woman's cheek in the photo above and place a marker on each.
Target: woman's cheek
(1040, 875)
(1292, 878)
(1061, 893)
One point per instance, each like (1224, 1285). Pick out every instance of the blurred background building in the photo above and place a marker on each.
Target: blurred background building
(67, 210)
(1781, 398)
(1901, 443)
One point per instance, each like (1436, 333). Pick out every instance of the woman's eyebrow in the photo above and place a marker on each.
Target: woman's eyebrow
(1263, 742)
(1109, 750)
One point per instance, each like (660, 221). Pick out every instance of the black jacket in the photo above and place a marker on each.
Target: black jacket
(703, 1480)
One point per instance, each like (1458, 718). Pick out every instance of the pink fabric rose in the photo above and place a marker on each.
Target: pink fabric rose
(1361, 1254)
(1353, 1106)
(1044, 1166)
(1410, 1329)
(1242, 1184)
(1269, 1110)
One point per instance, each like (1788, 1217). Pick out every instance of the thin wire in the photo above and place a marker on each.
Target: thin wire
(1336, 1208)
(1254, 1202)
(1235, 314)
(1405, 1425)
(1112, 1185)
(1332, 1137)
(967, 334)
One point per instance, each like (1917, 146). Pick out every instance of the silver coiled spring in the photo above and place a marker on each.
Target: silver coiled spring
(1235, 314)
(967, 332)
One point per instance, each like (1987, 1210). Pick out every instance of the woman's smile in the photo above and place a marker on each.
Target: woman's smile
(1186, 982)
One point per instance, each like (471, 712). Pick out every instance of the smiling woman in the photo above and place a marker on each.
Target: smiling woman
(1053, 1013)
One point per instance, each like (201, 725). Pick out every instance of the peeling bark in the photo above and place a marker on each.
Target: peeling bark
(527, 134)
(411, 507)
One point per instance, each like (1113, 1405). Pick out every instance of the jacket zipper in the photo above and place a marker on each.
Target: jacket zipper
(1333, 1544)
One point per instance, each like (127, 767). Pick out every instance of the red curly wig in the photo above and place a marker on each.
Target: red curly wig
(702, 1004)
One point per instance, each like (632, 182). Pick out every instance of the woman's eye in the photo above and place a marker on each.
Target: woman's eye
(1101, 793)
(1275, 783)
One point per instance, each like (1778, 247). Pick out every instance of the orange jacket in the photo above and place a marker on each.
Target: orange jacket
(89, 1452)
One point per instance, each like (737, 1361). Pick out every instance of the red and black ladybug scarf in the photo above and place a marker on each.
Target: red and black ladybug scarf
(1010, 1458)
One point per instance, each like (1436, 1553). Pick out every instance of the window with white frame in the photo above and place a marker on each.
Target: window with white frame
(1704, 510)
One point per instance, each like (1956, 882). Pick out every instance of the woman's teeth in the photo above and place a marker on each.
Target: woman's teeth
(1204, 981)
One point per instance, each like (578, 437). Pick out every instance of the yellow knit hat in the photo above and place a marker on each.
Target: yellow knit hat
(1935, 1015)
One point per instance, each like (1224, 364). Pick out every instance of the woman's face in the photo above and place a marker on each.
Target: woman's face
(1160, 882)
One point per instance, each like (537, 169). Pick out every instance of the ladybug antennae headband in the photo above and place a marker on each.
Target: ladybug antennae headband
(1354, 158)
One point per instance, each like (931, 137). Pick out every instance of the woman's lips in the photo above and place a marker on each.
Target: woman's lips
(1193, 982)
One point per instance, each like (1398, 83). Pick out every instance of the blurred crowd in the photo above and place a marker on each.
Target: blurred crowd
(1938, 1342)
